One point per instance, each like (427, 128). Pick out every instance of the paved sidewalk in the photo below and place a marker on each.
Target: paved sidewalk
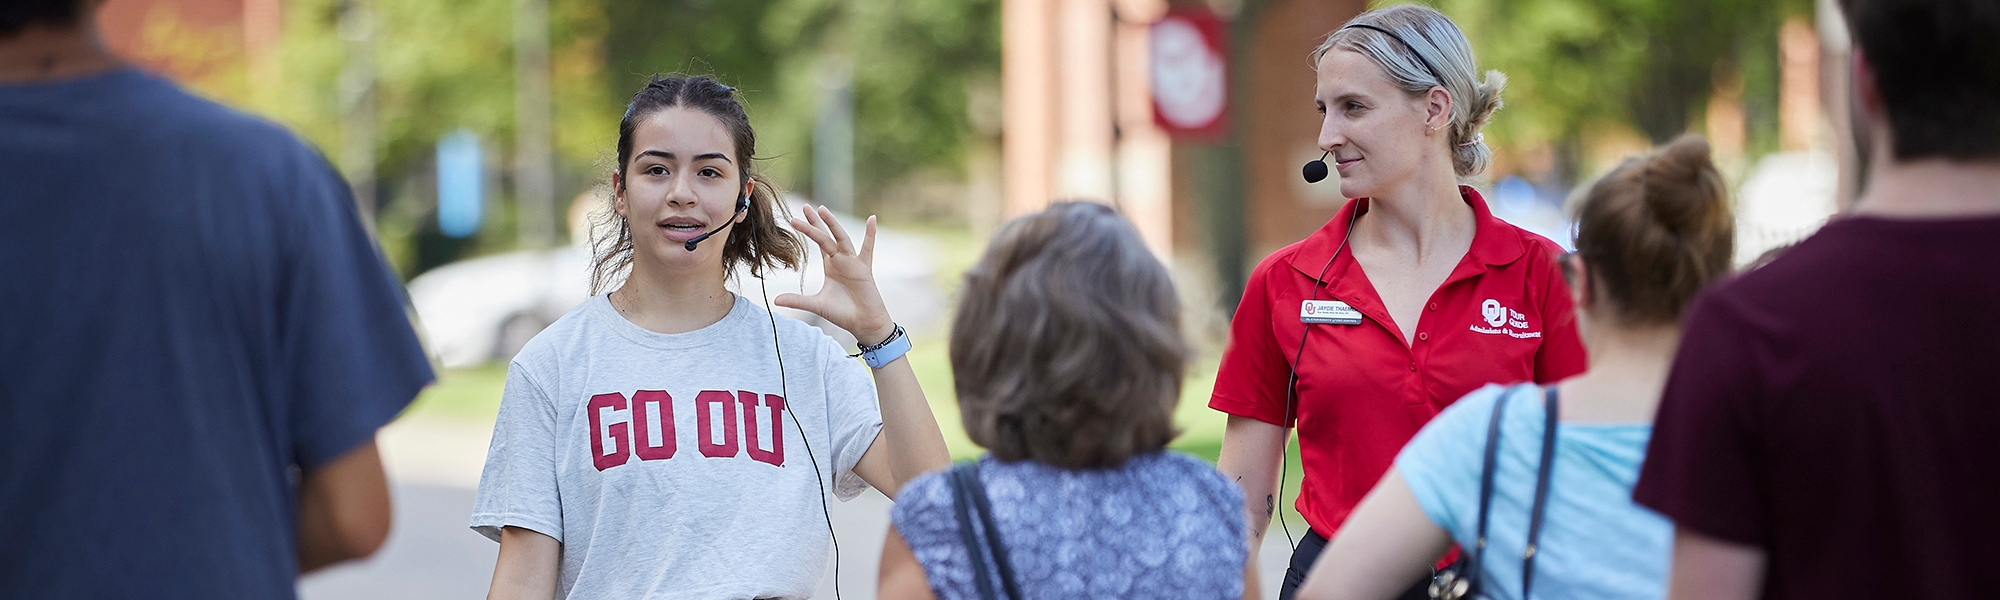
(430, 553)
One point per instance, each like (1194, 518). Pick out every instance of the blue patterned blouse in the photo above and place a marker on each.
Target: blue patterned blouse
(1163, 525)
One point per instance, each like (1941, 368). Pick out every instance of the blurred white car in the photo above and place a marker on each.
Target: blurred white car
(484, 309)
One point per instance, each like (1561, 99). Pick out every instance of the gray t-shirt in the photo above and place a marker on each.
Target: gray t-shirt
(653, 459)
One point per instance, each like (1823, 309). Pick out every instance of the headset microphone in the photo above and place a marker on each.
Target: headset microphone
(1316, 170)
(742, 204)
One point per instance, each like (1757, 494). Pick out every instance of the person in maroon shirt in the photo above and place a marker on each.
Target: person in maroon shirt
(1831, 428)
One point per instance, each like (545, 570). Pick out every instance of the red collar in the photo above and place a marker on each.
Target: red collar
(1494, 242)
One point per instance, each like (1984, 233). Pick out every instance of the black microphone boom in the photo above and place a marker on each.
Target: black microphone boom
(742, 204)
(697, 239)
(1315, 171)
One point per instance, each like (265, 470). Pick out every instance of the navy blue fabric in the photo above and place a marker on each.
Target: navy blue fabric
(193, 315)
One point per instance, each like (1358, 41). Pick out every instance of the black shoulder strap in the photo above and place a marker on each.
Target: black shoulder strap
(961, 503)
(1551, 408)
(967, 491)
(1486, 485)
(1001, 560)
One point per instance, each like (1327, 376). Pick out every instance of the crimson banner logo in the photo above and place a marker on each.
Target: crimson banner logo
(1187, 52)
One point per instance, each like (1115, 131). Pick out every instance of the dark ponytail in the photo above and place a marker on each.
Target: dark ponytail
(761, 243)
(1656, 230)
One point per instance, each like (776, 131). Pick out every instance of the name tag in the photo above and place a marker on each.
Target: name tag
(1330, 312)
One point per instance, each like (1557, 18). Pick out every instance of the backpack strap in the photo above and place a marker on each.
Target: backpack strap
(969, 495)
(961, 503)
(1552, 408)
(1001, 561)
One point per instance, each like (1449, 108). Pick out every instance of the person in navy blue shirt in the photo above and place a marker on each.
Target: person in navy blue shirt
(198, 338)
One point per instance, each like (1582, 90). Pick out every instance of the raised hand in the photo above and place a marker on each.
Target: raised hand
(849, 300)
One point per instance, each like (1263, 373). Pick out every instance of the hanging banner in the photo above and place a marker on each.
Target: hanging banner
(1188, 52)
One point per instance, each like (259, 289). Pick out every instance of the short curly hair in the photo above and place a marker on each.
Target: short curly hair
(1067, 347)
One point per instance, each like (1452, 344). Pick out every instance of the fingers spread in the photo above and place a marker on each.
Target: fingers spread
(839, 233)
(816, 233)
(868, 242)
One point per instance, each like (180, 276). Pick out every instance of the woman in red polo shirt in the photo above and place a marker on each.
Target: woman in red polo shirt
(1410, 297)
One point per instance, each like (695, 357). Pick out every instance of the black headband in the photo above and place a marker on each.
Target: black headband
(1413, 49)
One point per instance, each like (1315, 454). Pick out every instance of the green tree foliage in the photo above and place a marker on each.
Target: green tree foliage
(440, 66)
(912, 63)
(443, 65)
(1578, 64)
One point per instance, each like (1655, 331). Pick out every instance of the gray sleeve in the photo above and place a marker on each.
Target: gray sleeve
(853, 416)
(518, 486)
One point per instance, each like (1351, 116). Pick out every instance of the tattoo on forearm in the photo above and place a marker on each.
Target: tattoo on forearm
(1258, 526)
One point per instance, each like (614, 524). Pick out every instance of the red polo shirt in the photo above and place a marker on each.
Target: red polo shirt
(1504, 315)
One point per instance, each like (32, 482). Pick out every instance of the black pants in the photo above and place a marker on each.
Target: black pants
(1302, 563)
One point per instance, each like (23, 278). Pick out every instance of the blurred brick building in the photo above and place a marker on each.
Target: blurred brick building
(1078, 124)
(193, 39)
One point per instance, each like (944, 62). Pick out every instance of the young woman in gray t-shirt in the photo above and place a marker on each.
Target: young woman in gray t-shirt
(670, 439)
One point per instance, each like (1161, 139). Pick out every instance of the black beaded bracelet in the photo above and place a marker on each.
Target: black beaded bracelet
(885, 343)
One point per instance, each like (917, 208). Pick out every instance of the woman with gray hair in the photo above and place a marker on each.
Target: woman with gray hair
(1411, 296)
(1067, 357)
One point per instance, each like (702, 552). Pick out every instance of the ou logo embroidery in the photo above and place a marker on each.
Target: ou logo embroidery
(1494, 313)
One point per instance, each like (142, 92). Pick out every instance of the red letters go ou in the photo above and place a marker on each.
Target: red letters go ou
(647, 430)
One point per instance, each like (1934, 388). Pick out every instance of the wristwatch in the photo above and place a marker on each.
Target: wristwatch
(880, 355)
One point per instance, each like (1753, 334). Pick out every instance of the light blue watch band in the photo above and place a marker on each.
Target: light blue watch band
(889, 352)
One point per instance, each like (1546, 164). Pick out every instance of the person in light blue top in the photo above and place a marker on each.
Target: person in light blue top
(1650, 235)
(1598, 544)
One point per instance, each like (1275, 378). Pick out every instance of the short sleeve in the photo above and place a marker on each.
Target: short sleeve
(854, 416)
(518, 486)
(1442, 463)
(925, 516)
(923, 511)
(1252, 378)
(1701, 466)
(351, 359)
(1561, 354)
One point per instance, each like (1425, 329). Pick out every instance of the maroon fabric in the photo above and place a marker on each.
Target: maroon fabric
(1840, 408)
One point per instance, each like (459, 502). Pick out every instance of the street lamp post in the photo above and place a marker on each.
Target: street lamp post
(534, 173)
(357, 101)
